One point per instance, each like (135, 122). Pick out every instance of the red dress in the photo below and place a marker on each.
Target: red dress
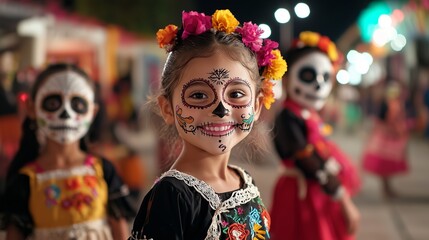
(386, 150)
(317, 216)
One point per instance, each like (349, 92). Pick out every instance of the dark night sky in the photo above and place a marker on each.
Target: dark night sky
(329, 17)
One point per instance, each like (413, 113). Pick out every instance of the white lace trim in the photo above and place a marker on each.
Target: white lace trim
(237, 198)
(66, 173)
(98, 229)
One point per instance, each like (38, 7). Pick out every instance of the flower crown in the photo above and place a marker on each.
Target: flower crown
(314, 39)
(269, 58)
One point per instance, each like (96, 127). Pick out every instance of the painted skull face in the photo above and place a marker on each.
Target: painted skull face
(214, 104)
(310, 80)
(64, 107)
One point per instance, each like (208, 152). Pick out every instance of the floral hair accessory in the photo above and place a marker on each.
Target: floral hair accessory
(314, 39)
(270, 62)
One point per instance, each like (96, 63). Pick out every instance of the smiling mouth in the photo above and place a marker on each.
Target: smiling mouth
(313, 97)
(308, 95)
(217, 129)
(63, 128)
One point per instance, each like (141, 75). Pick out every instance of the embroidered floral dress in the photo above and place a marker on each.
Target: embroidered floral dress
(67, 203)
(179, 206)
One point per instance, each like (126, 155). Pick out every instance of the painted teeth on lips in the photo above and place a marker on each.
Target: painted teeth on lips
(63, 127)
(218, 128)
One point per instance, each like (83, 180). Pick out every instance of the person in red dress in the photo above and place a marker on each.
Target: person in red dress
(312, 198)
(385, 154)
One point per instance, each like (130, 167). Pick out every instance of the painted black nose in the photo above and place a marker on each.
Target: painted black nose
(317, 86)
(64, 115)
(220, 110)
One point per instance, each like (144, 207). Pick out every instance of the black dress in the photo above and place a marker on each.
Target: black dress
(179, 206)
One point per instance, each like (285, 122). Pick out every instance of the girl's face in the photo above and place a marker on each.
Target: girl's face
(215, 103)
(64, 107)
(310, 80)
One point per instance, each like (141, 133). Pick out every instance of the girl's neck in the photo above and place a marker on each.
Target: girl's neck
(194, 161)
(212, 169)
(55, 155)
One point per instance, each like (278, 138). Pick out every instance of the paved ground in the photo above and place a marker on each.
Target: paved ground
(406, 218)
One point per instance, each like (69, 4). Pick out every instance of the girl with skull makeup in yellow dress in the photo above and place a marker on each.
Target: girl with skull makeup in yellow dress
(215, 81)
(59, 191)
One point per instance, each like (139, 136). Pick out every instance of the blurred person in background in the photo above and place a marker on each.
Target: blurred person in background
(386, 151)
(312, 199)
(55, 189)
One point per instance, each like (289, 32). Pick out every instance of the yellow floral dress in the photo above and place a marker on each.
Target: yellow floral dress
(65, 203)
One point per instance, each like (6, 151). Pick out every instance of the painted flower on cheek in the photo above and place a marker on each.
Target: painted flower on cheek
(195, 23)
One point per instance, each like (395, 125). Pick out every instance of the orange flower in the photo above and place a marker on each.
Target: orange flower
(267, 92)
(277, 67)
(166, 36)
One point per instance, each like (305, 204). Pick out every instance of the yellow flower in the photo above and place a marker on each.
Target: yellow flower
(267, 92)
(277, 66)
(259, 232)
(166, 36)
(223, 20)
(309, 38)
(332, 52)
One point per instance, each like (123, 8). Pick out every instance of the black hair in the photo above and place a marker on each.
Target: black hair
(29, 146)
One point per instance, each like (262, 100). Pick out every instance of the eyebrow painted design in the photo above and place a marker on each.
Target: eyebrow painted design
(184, 121)
(218, 76)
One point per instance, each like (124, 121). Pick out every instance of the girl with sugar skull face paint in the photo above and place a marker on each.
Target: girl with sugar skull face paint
(60, 191)
(311, 199)
(211, 97)
(65, 107)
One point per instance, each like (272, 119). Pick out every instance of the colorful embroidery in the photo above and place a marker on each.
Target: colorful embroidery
(72, 183)
(77, 200)
(52, 194)
(237, 231)
(240, 216)
(91, 181)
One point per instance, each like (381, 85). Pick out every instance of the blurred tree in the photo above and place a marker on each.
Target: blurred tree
(143, 16)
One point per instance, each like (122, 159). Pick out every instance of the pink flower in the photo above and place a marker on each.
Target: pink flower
(264, 55)
(195, 23)
(250, 34)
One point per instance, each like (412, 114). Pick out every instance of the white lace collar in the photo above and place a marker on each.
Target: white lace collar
(237, 198)
(203, 188)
